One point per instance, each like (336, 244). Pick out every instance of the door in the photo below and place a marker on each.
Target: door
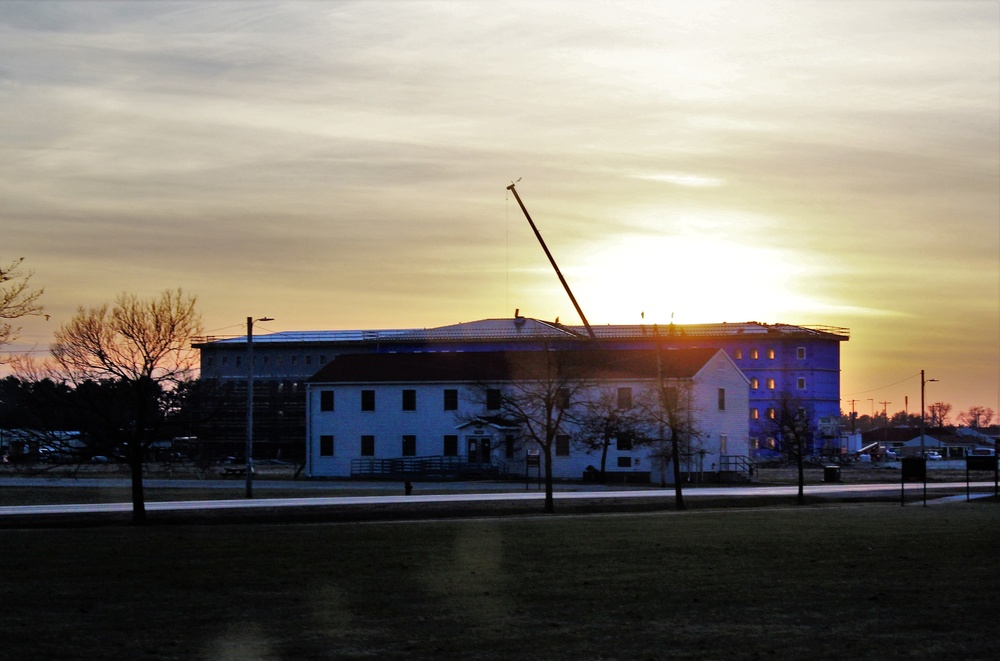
(478, 449)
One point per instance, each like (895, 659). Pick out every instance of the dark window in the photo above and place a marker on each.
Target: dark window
(508, 444)
(624, 399)
(450, 445)
(409, 400)
(800, 353)
(326, 446)
(722, 399)
(326, 400)
(562, 445)
(367, 400)
(493, 399)
(367, 446)
(450, 400)
(624, 462)
(562, 398)
(624, 441)
(801, 383)
(409, 445)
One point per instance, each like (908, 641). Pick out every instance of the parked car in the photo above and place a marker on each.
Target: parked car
(933, 455)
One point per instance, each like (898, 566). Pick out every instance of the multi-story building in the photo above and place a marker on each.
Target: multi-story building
(460, 413)
(784, 364)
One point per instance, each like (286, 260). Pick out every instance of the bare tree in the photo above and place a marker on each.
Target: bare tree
(791, 425)
(670, 419)
(538, 396)
(939, 412)
(608, 416)
(17, 299)
(976, 417)
(142, 345)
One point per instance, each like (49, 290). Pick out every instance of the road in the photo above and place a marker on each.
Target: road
(914, 493)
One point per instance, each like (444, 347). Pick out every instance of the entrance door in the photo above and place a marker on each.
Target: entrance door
(479, 449)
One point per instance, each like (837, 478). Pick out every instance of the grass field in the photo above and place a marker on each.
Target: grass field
(868, 581)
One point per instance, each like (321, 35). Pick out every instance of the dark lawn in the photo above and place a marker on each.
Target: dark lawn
(867, 581)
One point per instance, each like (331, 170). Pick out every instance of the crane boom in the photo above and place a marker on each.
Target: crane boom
(538, 235)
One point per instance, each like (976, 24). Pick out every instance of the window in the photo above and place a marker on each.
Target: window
(755, 414)
(450, 445)
(800, 353)
(409, 445)
(770, 354)
(624, 399)
(322, 359)
(409, 400)
(326, 446)
(451, 400)
(737, 354)
(562, 445)
(309, 359)
(723, 441)
(624, 462)
(770, 414)
(508, 445)
(225, 360)
(562, 398)
(753, 354)
(326, 400)
(295, 359)
(722, 399)
(367, 400)
(624, 442)
(754, 383)
(239, 361)
(367, 446)
(267, 360)
(770, 384)
(493, 399)
(801, 383)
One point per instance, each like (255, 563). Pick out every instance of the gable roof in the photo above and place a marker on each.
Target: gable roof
(492, 366)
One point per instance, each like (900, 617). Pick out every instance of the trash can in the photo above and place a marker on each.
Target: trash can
(831, 473)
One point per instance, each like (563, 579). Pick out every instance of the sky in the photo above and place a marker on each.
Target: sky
(344, 165)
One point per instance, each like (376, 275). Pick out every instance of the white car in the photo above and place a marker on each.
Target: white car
(933, 455)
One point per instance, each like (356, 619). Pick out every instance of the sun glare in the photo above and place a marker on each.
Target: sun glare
(691, 279)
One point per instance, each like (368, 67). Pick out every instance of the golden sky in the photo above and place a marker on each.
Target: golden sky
(344, 165)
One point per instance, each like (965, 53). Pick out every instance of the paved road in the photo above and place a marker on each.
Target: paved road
(913, 493)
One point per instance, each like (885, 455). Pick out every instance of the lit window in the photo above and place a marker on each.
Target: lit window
(409, 445)
(801, 383)
(367, 400)
(409, 400)
(367, 446)
(800, 353)
(770, 384)
(754, 414)
(738, 354)
(753, 354)
(770, 354)
(754, 383)
(770, 414)
(326, 400)
(326, 446)
(562, 445)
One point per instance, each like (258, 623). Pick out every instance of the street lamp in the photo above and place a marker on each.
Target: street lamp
(250, 323)
(923, 382)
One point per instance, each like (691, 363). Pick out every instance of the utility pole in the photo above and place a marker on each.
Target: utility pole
(249, 449)
(854, 415)
(885, 414)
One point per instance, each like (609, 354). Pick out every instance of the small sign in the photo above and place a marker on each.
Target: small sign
(533, 461)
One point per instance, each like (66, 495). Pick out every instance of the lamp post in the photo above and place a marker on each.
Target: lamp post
(923, 383)
(250, 323)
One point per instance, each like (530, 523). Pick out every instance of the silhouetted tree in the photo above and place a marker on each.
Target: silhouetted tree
(608, 415)
(142, 348)
(938, 412)
(790, 424)
(17, 298)
(976, 417)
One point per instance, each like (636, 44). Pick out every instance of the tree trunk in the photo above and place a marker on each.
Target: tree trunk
(549, 501)
(802, 479)
(604, 455)
(138, 498)
(675, 457)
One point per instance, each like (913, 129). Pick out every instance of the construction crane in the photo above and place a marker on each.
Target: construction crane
(538, 235)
